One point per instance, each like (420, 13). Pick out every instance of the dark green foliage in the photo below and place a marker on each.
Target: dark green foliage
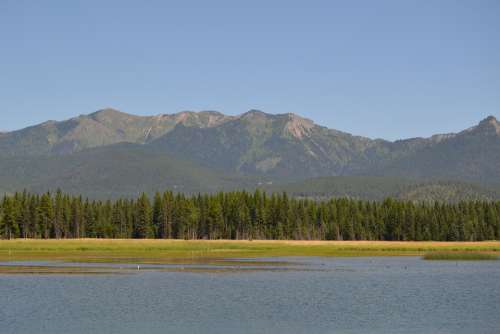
(380, 187)
(8, 225)
(121, 170)
(143, 227)
(243, 215)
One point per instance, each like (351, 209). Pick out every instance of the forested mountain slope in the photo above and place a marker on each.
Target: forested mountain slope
(282, 146)
(121, 170)
(381, 187)
(473, 154)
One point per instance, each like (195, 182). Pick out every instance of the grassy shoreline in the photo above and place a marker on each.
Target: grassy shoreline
(460, 256)
(203, 251)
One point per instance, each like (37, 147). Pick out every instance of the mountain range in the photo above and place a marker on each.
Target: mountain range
(110, 153)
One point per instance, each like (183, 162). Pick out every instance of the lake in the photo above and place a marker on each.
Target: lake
(311, 295)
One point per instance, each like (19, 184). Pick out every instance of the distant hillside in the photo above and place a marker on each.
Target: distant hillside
(126, 170)
(380, 187)
(122, 170)
(253, 146)
(281, 146)
(104, 127)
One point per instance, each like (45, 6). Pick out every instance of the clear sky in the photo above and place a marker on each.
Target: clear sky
(389, 69)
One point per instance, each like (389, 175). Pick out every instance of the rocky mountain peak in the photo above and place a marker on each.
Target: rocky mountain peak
(200, 119)
(489, 125)
(107, 112)
(491, 119)
(253, 113)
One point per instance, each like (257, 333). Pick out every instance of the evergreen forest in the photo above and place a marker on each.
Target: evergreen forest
(244, 215)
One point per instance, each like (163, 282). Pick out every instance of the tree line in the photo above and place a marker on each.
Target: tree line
(244, 215)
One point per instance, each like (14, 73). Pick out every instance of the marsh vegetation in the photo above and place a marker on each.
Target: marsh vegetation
(203, 251)
(460, 256)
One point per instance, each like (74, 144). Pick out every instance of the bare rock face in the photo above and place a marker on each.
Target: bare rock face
(298, 127)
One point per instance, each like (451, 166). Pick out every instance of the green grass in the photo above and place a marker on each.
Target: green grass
(460, 256)
(203, 251)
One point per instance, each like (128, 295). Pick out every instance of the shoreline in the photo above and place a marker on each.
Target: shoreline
(175, 251)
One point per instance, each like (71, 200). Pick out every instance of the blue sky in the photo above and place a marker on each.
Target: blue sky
(387, 69)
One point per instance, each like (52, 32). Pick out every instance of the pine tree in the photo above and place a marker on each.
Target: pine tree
(58, 215)
(143, 227)
(8, 225)
(159, 217)
(215, 219)
(46, 216)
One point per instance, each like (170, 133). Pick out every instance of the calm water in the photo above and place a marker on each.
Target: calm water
(358, 295)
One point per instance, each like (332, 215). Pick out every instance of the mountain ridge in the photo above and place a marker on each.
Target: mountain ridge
(280, 147)
(488, 122)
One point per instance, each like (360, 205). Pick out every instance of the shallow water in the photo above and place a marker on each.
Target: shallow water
(334, 295)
